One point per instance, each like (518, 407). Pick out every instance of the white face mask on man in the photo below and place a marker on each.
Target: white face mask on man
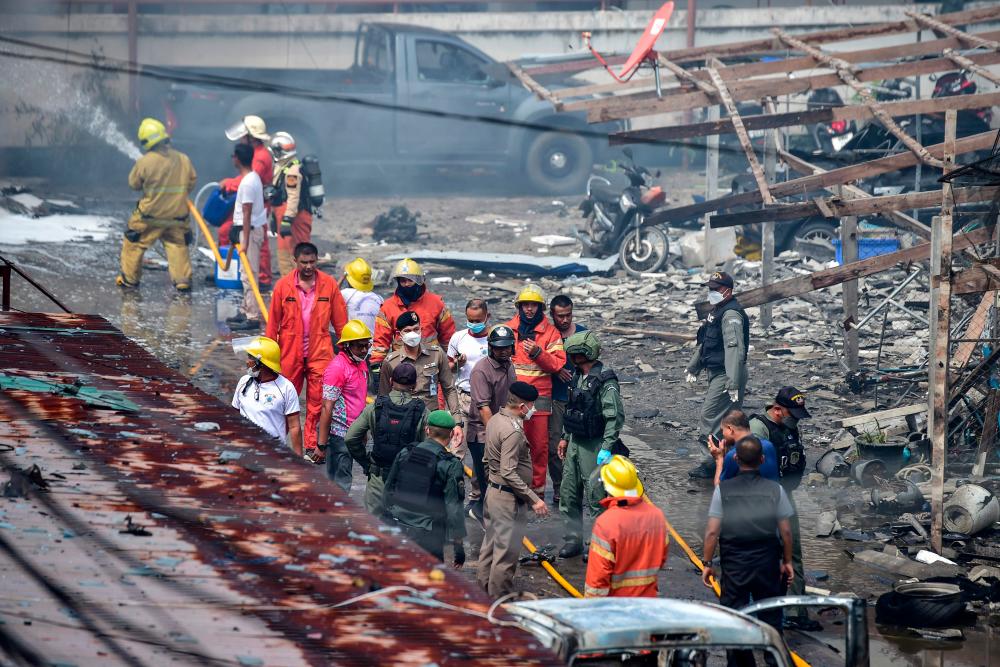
(411, 338)
(715, 298)
(530, 413)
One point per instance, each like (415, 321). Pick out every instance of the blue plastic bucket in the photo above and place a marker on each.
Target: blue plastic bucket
(228, 279)
(869, 248)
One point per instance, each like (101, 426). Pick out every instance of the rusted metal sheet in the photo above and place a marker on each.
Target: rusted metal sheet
(264, 537)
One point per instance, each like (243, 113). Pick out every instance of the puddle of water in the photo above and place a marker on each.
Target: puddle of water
(21, 229)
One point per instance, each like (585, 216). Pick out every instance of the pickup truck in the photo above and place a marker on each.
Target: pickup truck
(401, 104)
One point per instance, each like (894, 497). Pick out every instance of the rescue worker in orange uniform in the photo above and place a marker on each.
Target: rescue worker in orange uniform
(436, 323)
(628, 546)
(292, 209)
(538, 354)
(252, 130)
(305, 304)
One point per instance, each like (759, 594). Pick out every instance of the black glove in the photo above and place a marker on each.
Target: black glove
(188, 237)
(234, 235)
(286, 226)
(459, 554)
(366, 468)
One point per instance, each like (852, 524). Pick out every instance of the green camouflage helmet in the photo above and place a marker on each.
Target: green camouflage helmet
(585, 343)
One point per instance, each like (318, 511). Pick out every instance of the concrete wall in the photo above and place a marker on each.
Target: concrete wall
(326, 41)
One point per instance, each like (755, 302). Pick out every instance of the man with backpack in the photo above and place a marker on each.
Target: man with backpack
(780, 425)
(425, 491)
(395, 421)
(292, 204)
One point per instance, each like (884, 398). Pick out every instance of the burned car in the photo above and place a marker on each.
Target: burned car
(675, 633)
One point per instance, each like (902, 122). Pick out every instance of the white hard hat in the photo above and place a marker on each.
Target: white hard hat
(252, 125)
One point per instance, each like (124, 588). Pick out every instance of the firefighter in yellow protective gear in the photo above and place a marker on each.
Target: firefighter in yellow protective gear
(166, 177)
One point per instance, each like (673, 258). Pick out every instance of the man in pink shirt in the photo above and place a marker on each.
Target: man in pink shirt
(345, 390)
(305, 305)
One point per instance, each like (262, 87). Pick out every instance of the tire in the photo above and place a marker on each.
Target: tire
(557, 163)
(820, 233)
(643, 254)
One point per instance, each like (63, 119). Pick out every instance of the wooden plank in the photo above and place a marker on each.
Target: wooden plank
(965, 63)
(741, 133)
(601, 88)
(711, 186)
(846, 73)
(988, 439)
(772, 142)
(680, 99)
(683, 75)
(973, 330)
(835, 276)
(974, 280)
(973, 41)
(782, 66)
(905, 221)
(538, 89)
(818, 181)
(882, 415)
(849, 296)
(840, 208)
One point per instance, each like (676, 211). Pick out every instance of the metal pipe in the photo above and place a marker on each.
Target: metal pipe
(13, 267)
(5, 276)
(889, 299)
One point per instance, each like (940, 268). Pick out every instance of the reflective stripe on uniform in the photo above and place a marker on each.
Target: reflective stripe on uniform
(634, 574)
(637, 581)
(601, 551)
(557, 345)
(595, 592)
(167, 189)
(530, 371)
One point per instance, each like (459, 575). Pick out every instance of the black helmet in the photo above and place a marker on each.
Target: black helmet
(501, 336)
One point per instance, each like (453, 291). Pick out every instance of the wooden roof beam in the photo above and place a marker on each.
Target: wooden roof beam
(845, 71)
(741, 132)
(965, 63)
(538, 89)
(943, 28)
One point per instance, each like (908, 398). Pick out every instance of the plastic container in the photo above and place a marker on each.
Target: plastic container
(869, 248)
(230, 279)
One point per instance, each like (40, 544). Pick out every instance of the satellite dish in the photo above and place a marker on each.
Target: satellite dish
(643, 51)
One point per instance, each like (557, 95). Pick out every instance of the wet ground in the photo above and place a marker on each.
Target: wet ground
(188, 333)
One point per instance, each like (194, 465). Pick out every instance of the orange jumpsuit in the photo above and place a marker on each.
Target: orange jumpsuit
(436, 323)
(538, 372)
(628, 547)
(286, 326)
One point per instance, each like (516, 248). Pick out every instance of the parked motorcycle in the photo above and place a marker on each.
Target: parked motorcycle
(615, 218)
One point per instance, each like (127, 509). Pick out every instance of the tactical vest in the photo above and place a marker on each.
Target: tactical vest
(713, 347)
(749, 512)
(418, 488)
(791, 453)
(395, 428)
(584, 414)
(281, 190)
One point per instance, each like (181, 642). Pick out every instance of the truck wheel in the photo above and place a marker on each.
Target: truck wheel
(558, 163)
(814, 239)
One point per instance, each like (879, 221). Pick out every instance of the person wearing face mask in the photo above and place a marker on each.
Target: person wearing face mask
(466, 349)
(508, 493)
(437, 325)
(345, 388)
(538, 355)
(395, 421)
(305, 305)
(267, 398)
(721, 351)
(593, 421)
(433, 373)
(489, 386)
(780, 425)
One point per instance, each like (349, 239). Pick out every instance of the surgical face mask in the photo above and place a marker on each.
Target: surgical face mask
(530, 413)
(476, 327)
(790, 422)
(715, 298)
(255, 371)
(411, 338)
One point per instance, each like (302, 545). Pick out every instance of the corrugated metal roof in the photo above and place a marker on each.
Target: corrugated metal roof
(248, 546)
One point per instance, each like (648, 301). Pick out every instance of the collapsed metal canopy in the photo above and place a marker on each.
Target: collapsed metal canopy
(160, 541)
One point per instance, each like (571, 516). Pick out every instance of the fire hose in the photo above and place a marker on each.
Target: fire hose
(223, 264)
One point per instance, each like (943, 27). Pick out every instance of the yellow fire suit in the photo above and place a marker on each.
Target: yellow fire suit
(166, 177)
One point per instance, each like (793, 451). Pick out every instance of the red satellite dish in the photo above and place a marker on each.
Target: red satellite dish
(643, 51)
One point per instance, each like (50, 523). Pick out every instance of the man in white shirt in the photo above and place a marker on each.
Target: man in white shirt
(362, 303)
(465, 349)
(267, 398)
(249, 229)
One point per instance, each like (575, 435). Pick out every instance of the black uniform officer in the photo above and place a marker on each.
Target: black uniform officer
(749, 520)
(425, 491)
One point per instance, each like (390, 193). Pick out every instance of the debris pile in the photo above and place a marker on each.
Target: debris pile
(398, 225)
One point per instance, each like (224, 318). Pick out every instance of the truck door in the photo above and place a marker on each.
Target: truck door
(445, 77)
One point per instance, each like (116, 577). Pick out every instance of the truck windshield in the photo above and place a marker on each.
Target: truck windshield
(375, 54)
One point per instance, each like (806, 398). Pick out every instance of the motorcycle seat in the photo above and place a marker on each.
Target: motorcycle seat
(605, 193)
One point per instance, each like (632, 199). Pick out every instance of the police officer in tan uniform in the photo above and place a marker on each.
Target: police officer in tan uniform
(433, 372)
(508, 492)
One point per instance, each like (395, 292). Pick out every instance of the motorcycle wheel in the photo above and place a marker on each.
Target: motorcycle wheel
(643, 251)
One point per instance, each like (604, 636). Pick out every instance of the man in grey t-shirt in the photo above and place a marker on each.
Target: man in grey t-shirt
(749, 520)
